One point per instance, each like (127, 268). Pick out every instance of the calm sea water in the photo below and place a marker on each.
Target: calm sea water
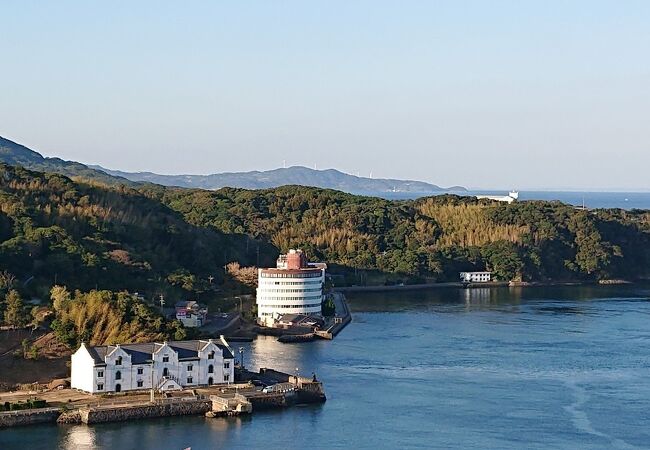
(482, 369)
(623, 200)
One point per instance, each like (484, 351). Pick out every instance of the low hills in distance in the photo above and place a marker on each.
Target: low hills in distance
(16, 154)
(296, 175)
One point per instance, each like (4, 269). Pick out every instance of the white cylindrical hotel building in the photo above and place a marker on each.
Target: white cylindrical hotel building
(293, 287)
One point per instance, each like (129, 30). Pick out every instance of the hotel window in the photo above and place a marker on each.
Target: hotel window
(118, 361)
(226, 377)
(190, 367)
(226, 365)
(140, 370)
(118, 375)
(166, 358)
(140, 383)
(189, 380)
(100, 374)
(100, 387)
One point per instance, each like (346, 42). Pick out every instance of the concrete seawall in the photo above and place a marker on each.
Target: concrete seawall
(29, 417)
(134, 412)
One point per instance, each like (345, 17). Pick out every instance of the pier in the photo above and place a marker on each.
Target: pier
(340, 320)
(332, 326)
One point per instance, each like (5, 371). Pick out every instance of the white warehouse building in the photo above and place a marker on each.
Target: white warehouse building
(475, 277)
(294, 286)
(163, 366)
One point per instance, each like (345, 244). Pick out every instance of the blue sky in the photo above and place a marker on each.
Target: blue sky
(492, 94)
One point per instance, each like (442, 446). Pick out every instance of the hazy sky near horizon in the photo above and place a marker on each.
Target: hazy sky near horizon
(488, 94)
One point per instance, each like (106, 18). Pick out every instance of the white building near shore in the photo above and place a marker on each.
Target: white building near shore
(163, 366)
(511, 197)
(475, 277)
(294, 286)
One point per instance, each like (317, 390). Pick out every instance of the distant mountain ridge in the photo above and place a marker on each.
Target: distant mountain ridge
(18, 155)
(295, 175)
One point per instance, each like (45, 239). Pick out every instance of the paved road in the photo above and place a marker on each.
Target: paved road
(221, 322)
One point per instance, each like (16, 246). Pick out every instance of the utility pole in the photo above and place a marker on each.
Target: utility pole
(162, 302)
(152, 396)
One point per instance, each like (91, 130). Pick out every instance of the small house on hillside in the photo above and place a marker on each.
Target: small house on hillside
(191, 313)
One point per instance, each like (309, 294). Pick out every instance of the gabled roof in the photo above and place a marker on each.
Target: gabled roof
(142, 353)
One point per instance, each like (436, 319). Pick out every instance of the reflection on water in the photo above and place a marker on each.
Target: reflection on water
(266, 351)
(474, 298)
(477, 297)
(80, 438)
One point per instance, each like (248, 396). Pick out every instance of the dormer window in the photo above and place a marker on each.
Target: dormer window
(118, 361)
(211, 355)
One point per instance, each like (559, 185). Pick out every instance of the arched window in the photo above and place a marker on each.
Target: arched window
(210, 368)
(118, 361)
(165, 372)
(118, 375)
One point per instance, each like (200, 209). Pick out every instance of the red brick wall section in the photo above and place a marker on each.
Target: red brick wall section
(296, 261)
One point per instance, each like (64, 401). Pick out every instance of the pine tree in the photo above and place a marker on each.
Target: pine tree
(14, 314)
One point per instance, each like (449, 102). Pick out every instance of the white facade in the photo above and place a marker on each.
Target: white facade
(511, 197)
(166, 365)
(289, 290)
(475, 277)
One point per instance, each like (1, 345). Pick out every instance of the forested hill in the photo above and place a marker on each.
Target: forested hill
(156, 239)
(433, 237)
(57, 231)
(15, 154)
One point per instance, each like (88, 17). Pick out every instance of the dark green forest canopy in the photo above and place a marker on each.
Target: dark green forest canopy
(153, 239)
(57, 231)
(430, 237)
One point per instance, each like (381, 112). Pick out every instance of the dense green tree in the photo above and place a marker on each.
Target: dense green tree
(502, 258)
(328, 307)
(14, 310)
